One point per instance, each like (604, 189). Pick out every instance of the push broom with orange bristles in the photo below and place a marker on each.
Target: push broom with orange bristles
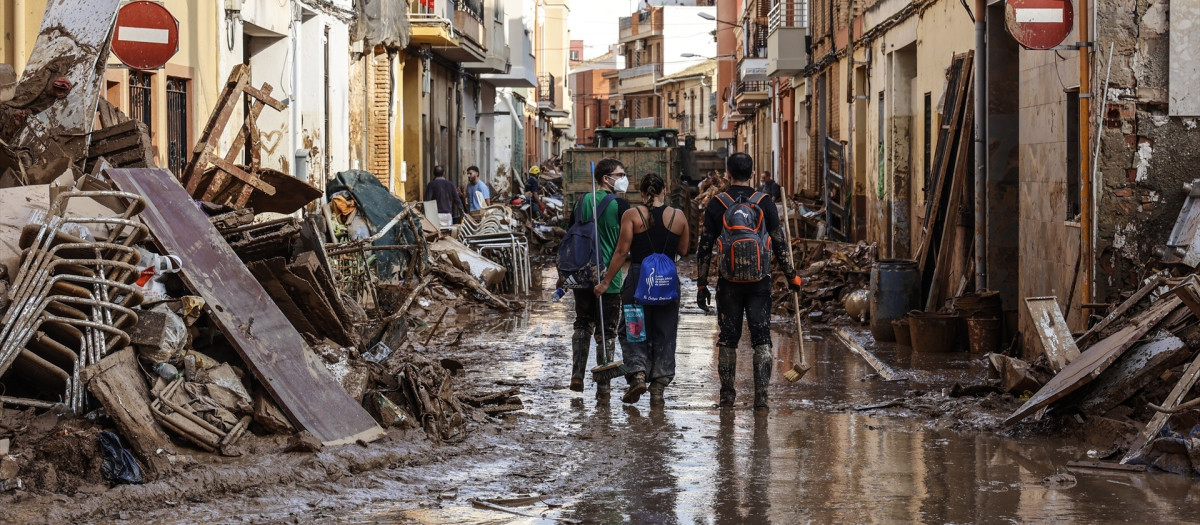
(799, 360)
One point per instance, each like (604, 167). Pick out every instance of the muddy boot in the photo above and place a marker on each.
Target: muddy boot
(763, 362)
(726, 367)
(581, 341)
(637, 387)
(604, 356)
(656, 395)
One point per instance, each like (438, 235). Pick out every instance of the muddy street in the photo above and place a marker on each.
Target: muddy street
(814, 458)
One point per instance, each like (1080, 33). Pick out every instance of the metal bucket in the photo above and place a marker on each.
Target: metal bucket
(934, 332)
(903, 333)
(983, 334)
(895, 289)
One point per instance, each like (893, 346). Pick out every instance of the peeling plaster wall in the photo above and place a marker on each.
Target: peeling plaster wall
(1146, 156)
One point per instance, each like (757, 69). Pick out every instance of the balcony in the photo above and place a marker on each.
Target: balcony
(646, 122)
(520, 70)
(751, 94)
(638, 79)
(642, 24)
(430, 24)
(787, 52)
(496, 50)
(753, 69)
(545, 91)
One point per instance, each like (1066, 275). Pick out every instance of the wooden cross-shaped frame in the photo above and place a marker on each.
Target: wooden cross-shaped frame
(230, 179)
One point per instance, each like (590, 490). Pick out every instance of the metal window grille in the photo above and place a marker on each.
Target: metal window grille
(140, 98)
(177, 119)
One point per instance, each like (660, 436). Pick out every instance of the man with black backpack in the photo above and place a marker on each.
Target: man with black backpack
(744, 224)
(580, 268)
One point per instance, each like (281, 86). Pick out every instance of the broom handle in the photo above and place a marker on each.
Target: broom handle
(599, 257)
(787, 228)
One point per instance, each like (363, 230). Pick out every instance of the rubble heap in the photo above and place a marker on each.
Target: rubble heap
(831, 272)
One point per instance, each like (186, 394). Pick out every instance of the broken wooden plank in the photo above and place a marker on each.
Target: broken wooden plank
(1057, 342)
(1159, 419)
(1105, 465)
(117, 383)
(254, 325)
(1089, 336)
(880, 367)
(1189, 292)
(1095, 360)
(1132, 372)
(282, 298)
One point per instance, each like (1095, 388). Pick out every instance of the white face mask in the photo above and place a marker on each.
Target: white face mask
(621, 185)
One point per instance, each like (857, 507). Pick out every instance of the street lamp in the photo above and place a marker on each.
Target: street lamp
(693, 55)
(712, 17)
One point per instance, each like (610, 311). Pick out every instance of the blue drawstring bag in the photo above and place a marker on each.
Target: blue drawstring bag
(658, 282)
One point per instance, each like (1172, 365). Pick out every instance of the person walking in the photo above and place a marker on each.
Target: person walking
(610, 179)
(478, 194)
(646, 230)
(446, 195)
(747, 225)
(533, 191)
(770, 187)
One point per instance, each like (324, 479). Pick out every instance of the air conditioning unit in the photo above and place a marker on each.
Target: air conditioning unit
(620, 49)
(640, 45)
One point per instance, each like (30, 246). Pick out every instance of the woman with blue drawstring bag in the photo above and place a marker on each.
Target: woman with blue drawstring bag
(653, 236)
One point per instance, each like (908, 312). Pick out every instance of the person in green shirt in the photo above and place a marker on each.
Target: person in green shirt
(610, 178)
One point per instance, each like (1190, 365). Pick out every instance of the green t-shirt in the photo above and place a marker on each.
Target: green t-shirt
(609, 228)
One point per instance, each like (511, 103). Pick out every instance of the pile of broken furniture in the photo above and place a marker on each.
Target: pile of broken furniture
(197, 310)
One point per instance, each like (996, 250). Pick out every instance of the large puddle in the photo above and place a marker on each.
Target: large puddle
(804, 462)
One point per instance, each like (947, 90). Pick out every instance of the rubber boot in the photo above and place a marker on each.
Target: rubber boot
(726, 368)
(637, 387)
(604, 356)
(581, 341)
(763, 362)
(656, 394)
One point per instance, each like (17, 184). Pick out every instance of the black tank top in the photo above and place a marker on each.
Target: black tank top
(657, 239)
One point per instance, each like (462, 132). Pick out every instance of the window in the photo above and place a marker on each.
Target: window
(587, 117)
(575, 55)
(177, 124)
(928, 136)
(1073, 175)
(141, 98)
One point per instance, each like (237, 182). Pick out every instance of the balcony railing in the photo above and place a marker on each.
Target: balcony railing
(788, 15)
(626, 21)
(473, 8)
(425, 12)
(634, 72)
(545, 89)
(757, 86)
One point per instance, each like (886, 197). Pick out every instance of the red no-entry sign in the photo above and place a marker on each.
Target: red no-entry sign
(1039, 24)
(146, 37)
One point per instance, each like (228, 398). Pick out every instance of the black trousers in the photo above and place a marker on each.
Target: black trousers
(656, 355)
(587, 313)
(751, 301)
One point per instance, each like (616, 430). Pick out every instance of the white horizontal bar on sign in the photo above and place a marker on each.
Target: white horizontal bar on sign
(1039, 15)
(143, 34)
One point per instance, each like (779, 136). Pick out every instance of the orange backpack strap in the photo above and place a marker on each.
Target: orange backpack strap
(757, 197)
(725, 199)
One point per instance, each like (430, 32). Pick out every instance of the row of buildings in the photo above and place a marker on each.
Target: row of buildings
(393, 87)
(660, 74)
(1083, 181)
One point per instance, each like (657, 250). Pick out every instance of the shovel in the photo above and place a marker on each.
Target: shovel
(799, 361)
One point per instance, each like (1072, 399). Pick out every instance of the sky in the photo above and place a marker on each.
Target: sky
(595, 22)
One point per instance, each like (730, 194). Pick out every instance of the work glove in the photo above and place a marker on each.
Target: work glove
(703, 298)
(795, 283)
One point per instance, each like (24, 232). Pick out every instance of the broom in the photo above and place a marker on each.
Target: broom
(799, 361)
(608, 371)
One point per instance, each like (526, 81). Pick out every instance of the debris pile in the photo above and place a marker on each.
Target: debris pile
(148, 317)
(832, 271)
(1130, 382)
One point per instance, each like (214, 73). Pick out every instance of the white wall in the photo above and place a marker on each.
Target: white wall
(685, 32)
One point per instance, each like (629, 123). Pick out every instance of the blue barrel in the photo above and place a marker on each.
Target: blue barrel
(895, 289)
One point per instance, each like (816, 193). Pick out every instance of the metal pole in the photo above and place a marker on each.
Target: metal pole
(1085, 131)
(599, 264)
(980, 144)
